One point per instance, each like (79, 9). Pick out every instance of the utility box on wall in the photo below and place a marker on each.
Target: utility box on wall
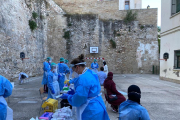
(93, 49)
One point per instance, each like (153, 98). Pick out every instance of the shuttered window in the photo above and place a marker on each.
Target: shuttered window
(173, 9)
(177, 59)
(177, 6)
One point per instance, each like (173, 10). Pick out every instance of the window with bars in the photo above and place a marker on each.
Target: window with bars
(177, 59)
(175, 7)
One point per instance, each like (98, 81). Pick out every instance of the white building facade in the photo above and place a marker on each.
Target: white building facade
(170, 40)
(130, 4)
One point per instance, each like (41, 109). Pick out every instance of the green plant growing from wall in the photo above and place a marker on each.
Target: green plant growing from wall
(159, 38)
(114, 33)
(113, 43)
(118, 34)
(32, 25)
(130, 16)
(142, 27)
(34, 15)
(66, 35)
(69, 24)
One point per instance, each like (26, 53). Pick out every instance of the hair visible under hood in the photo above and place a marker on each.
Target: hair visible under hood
(134, 93)
(80, 59)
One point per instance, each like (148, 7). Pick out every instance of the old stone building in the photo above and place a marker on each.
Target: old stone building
(67, 28)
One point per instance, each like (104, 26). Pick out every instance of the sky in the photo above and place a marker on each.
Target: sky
(153, 4)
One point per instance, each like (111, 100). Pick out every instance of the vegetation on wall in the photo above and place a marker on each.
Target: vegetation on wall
(34, 15)
(66, 35)
(32, 25)
(113, 43)
(118, 34)
(69, 24)
(130, 16)
(142, 27)
(115, 33)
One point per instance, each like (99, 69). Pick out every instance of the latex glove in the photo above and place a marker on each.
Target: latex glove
(64, 96)
(71, 92)
(66, 82)
(52, 91)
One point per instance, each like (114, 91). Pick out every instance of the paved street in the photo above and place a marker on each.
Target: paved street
(160, 98)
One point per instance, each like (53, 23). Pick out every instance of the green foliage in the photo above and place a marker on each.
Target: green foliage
(66, 35)
(32, 25)
(113, 43)
(130, 16)
(69, 24)
(34, 15)
(159, 44)
(159, 37)
(118, 34)
(142, 27)
(159, 29)
(115, 32)
(29, 5)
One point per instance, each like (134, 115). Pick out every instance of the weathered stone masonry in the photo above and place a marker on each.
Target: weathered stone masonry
(136, 46)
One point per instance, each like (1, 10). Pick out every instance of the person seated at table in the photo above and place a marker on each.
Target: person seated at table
(111, 94)
(102, 76)
(52, 83)
(132, 108)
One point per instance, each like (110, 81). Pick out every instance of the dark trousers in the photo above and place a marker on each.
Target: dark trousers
(45, 88)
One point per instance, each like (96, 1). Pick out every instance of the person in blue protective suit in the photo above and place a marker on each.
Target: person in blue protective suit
(132, 109)
(63, 69)
(66, 62)
(52, 83)
(6, 88)
(95, 66)
(46, 68)
(87, 98)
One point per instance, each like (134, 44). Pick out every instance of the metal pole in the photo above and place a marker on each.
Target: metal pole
(153, 69)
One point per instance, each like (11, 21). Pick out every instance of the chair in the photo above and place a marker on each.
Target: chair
(43, 99)
(106, 96)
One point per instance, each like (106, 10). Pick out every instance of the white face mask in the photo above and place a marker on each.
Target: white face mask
(76, 75)
(55, 70)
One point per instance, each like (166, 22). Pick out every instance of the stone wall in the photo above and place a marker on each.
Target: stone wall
(136, 45)
(16, 36)
(136, 50)
(106, 10)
